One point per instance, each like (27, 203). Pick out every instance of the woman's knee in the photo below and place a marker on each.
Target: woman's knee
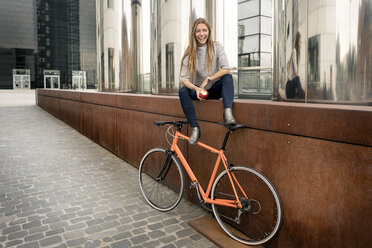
(227, 77)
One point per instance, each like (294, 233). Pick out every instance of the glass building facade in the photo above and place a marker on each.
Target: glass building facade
(16, 40)
(141, 44)
(58, 35)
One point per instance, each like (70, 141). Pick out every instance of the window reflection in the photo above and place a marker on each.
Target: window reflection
(170, 62)
(254, 49)
(111, 67)
(336, 61)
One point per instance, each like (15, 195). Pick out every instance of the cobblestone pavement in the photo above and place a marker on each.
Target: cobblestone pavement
(60, 189)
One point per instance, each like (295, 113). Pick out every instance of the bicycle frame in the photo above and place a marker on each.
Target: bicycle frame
(221, 157)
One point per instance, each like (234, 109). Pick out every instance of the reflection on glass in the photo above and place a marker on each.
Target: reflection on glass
(111, 67)
(169, 48)
(266, 45)
(248, 8)
(313, 75)
(248, 44)
(337, 60)
(255, 84)
(248, 26)
(266, 25)
(254, 48)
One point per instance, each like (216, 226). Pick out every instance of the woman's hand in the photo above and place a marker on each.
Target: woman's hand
(197, 90)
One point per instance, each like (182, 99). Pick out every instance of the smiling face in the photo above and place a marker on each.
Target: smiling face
(201, 34)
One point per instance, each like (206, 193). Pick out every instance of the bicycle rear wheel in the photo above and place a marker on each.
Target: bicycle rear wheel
(260, 218)
(161, 179)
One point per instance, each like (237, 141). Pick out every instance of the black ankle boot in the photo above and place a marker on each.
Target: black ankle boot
(228, 116)
(195, 135)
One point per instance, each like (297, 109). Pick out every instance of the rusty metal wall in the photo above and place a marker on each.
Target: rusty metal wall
(318, 156)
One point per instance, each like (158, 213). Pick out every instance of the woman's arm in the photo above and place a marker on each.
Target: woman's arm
(294, 61)
(191, 86)
(215, 76)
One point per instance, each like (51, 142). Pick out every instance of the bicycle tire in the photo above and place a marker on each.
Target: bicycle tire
(163, 194)
(261, 214)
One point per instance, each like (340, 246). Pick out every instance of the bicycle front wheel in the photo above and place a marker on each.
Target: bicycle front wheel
(260, 217)
(161, 179)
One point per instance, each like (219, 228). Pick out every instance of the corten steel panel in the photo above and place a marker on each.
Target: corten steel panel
(52, 93)
(88, 121)
(51, 105)
(40, 101)
(350, 124)
(324, 186)
(40, 92)
(70, 113)
(137, 134)
(165, 105)
(70, 95)
(105, 124)
(107, 99)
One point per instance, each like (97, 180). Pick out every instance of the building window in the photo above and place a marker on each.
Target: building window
(169, 48)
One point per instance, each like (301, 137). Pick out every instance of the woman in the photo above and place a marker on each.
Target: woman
(204, 66)
(293, 87)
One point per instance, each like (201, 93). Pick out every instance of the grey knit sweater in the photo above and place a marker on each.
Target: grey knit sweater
(219, 62)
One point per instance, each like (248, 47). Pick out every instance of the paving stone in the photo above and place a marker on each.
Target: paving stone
(11, 229)
(183, 242)
(156, 234)
(73, 234)
(111, 224)
(139, 239)
(13, 243)
(94, 222)
(38, 229)
(34, 237)
(94, 244)
(76, 242)
(50, 241)
(169, 246)
(29, 245)
(93, 229)
(54, 232)
(68, 191)
(17, 235)
(123, 235)
(155, 226)
(184, 233)
(31, 224)
(76, 226)
(121, 244)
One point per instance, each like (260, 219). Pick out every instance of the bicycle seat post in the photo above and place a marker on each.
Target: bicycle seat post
(226, 139)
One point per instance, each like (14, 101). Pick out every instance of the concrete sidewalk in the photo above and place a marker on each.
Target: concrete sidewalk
(9, 98)
(60, 189)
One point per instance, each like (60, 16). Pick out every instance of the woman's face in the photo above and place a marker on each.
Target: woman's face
(201, 34)
(300, 43)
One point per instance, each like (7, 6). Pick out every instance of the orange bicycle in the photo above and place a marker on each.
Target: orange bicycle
(244, 202)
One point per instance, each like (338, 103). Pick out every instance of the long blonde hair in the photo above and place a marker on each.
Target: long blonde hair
(191, 49)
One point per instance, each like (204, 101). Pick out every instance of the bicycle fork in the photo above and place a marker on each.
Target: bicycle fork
(166, 167)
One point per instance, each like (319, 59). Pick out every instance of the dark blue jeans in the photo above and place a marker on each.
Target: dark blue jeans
(222, 88)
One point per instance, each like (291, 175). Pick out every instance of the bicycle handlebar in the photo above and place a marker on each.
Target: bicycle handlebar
(175, 123)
